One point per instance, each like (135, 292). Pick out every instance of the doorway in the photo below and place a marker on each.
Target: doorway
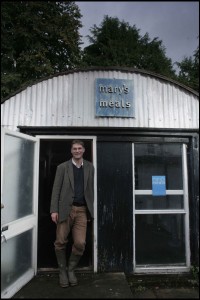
(52, 153)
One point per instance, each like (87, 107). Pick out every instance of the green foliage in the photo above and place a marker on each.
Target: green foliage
(116, 43)
(189, 71)
(38, 39)
(41, 38)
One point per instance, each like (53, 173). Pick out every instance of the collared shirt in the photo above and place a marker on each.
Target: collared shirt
(74, 163)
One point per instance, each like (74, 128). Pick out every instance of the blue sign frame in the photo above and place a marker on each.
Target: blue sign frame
(114, 98)
(158, 185)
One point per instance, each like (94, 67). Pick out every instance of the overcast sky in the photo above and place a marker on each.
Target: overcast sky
(175, 23)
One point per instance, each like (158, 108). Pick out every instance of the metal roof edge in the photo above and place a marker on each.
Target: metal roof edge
(104, 68)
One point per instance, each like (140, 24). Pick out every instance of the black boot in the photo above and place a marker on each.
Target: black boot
(73, 262)
(61, 258)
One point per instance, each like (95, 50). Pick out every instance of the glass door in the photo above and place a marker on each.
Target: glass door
(160, 208)
(19, 187)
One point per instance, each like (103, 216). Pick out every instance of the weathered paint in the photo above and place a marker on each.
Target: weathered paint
(69, 100)
(115, 206)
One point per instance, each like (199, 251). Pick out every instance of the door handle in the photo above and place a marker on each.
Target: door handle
(3, 238)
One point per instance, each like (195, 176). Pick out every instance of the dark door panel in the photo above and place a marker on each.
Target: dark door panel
(115, 206)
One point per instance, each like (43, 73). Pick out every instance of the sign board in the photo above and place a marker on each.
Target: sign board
(158, 186)
(114, 98)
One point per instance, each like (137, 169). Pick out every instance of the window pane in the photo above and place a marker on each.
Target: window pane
(18, 178)
(163, 240)
(158, 160)
(158, 202)
(15, 250)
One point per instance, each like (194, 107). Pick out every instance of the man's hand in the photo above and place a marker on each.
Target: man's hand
(54, 217)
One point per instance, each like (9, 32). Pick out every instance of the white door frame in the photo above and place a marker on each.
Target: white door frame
(94, 149)
(184, 211)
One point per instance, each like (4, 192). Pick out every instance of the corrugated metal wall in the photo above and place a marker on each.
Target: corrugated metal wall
(69, 100)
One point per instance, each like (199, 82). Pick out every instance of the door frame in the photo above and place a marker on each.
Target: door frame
(26, 223)
(94, 153)
(184, 211)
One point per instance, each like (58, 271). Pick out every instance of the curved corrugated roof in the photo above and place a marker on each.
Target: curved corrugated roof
(70, 99)
(121, 69)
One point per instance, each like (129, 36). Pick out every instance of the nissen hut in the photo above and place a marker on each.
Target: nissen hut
(141, 131)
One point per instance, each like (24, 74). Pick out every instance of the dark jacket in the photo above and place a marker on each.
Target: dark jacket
(63, 189)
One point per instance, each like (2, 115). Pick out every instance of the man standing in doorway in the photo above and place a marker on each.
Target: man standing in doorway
(71, 208)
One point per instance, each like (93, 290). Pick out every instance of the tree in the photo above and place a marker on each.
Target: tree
(38, 39)
(116, 43)
(189, 71)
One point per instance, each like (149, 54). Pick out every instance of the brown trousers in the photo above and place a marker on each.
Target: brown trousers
(77, 222)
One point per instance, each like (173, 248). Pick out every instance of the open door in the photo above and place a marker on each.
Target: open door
(19, 205)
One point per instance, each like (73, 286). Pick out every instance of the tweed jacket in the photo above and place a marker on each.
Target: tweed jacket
(63, 189)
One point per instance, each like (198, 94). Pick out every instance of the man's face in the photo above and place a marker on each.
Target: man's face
(77, 151)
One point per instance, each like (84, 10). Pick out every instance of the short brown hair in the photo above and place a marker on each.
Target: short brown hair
(77, 142)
